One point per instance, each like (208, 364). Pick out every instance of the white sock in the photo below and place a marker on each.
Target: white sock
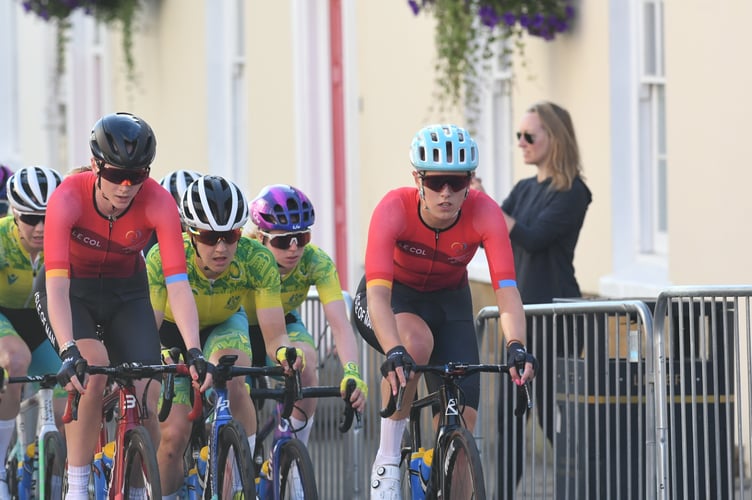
(390, 441)
(78, 482)
(6, 434)
(252, 443)
(173, 496)
(305, 432)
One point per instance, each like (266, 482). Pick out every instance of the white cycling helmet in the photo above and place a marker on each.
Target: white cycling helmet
(29, 189)
(213, 203)
(177, 181)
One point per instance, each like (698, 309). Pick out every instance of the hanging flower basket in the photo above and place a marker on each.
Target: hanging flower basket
(109, 12)
(466, 29)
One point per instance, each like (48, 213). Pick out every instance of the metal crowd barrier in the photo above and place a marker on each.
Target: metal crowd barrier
(635, 399)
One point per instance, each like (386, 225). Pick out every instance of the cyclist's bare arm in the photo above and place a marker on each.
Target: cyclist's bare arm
(272, 323)
(184, 310)
(61, 319)
(512, 318)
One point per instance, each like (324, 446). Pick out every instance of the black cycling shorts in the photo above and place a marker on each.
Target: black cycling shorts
(449, 315)
(27, 325)
(116, 310)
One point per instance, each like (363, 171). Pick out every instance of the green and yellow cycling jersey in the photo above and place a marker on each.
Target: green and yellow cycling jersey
(17, 271)
(251, 278)
(315, 268)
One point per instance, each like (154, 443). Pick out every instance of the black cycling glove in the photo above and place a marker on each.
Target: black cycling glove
(397, 356)
(197, 360)
(73, 365)
(517, 356)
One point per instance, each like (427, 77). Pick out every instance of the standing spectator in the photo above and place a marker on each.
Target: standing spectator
(414, 301)
(97, 224)
(544, 215)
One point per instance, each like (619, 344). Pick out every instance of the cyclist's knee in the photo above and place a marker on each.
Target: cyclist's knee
(174, 435)
(14, 355)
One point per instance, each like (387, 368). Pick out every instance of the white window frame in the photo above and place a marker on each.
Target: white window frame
(226, 89)
(653, 159)
(494, 132)
(640, 250)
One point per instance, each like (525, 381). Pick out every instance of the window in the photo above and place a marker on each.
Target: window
(652, 126)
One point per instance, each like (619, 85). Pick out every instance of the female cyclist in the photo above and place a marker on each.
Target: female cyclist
(414, 301)
(24, 347)
(97, 224)
(223, 270)
(283, 216)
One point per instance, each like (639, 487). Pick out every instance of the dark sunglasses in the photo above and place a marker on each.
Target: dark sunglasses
(31, 219)
(127, 176)
(528, 137)
(437, 182)
(212, 238)
(285, 240)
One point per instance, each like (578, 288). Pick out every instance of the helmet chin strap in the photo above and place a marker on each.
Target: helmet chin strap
(198, 255)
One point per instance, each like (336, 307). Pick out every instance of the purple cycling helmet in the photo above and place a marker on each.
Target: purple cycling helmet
(282, 207)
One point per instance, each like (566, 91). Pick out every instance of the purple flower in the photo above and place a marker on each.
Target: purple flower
(488, 16)
(509, 18)
(524, 20)
(414, 5)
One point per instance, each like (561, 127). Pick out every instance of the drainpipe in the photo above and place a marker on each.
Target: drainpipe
(336, 72)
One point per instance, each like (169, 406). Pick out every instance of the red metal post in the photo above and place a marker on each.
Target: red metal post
(338, 139)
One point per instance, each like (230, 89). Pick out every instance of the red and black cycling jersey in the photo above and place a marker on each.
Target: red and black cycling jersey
(402, 248)
(80, 242)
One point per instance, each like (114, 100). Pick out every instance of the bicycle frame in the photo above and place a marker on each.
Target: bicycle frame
(130, 414)
(447, 396)
(43, 399)
(278, 421)
(222, 416)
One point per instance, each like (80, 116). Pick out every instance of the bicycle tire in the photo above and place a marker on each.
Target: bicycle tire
(11, 473)
(294, 457)
(54, 466)
(237, 474)
(140, 464)
(464, 472)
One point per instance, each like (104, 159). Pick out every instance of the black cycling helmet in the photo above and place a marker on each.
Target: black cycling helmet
(213, 203)
(123, 140)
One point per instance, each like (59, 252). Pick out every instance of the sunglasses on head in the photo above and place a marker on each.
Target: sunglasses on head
(212, 238)
(285, 240)
(529, 138)
(31, 219)
(126, 176)
(437, 182)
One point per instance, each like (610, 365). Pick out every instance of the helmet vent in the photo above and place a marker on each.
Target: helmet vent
(449, 153)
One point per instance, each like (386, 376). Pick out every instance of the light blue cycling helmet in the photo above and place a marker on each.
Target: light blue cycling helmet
(444, 147)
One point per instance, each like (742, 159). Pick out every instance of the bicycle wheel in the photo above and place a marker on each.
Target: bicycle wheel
(297, 478)
(54, 466)
(464, 473)
(237, 477)
(140, 466)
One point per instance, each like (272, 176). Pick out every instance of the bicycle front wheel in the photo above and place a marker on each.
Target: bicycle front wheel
(53, 467)
(297, 478)
(237, 477)
(141, 469)
(464, 473)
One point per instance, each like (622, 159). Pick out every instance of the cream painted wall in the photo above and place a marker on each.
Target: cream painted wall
(395, 70)
(709, 111)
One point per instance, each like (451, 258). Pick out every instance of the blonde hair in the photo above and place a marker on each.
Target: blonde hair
(563, 154)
